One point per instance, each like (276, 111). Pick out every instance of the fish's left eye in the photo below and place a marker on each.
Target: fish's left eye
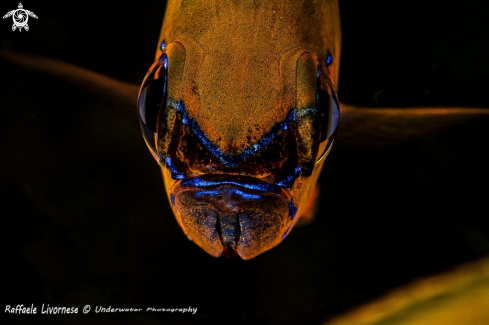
(151, 100)
(328, 110)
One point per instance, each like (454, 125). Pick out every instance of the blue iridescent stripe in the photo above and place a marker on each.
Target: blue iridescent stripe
(175, 173)
(286, 233)
(289, 180)
(242, 194)
(292, 209)
(231, 160)
(199, 182)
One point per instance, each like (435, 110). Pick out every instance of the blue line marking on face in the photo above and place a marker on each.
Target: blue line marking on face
(289, 180)
(286, 233)
(175, 174)
(242, 194)
(231, 160)
(165, 61)
(292, 210)
(172, 199)
(199, 182)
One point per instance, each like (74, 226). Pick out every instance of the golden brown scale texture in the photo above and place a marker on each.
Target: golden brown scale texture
(238, 71)
(238, 80)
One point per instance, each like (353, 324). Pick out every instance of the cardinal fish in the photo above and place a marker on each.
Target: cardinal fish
(240, 111)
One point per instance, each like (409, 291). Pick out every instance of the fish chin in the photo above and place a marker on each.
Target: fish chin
(226, 216)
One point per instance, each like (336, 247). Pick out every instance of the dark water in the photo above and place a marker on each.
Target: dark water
(84, 215)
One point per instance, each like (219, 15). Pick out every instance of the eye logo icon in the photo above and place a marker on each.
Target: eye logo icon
(20, 17)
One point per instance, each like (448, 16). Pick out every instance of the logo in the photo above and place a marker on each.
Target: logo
(20, 17)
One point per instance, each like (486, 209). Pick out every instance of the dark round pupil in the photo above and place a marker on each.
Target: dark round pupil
(327, 108)
(152, 99)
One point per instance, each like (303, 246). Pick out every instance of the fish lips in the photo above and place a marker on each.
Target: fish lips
(232, 215)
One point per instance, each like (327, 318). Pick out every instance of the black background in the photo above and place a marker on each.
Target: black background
(84, 217)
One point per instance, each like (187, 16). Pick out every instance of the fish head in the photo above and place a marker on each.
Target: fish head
(240, 127)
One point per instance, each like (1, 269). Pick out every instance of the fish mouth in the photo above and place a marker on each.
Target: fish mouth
(232, 214)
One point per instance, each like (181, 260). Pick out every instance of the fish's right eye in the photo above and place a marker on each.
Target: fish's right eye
(151, 100)
(328, 110)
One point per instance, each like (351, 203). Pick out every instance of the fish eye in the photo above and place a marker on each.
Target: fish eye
(152, 99)
(328, 110)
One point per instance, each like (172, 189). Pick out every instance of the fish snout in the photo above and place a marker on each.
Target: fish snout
(228, 219)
